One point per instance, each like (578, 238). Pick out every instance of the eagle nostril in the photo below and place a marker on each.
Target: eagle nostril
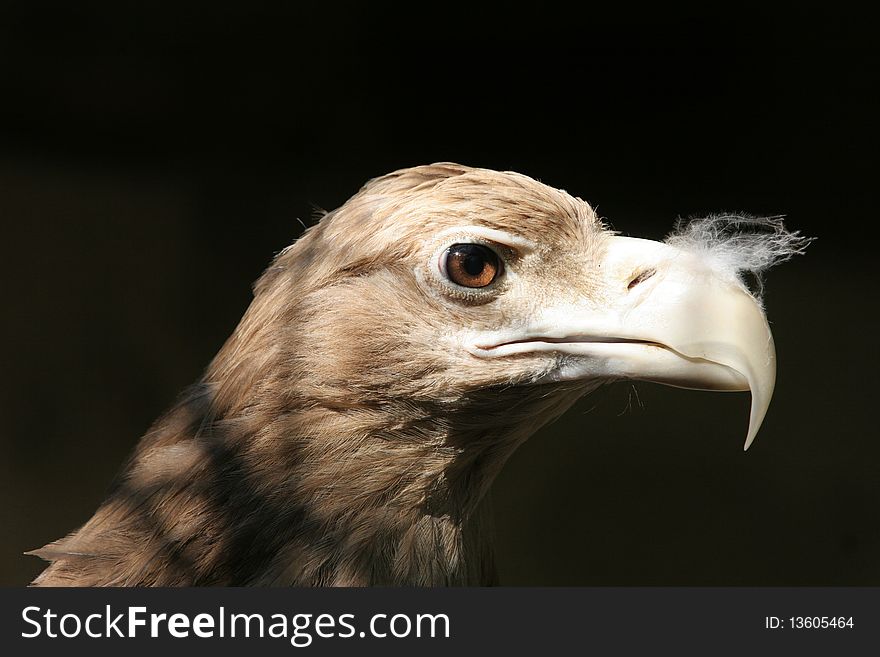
(641, 278)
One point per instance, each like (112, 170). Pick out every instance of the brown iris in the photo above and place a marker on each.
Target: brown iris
(471, 265)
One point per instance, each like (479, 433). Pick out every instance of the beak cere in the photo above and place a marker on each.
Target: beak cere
(666, 315)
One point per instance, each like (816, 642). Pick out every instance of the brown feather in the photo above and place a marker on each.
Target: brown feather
(335, 439)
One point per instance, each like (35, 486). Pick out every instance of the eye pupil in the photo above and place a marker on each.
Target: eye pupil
(471, 265)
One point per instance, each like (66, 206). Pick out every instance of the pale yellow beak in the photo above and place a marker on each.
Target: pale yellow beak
(667, 316)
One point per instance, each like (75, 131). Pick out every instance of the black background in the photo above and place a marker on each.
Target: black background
(153, 159)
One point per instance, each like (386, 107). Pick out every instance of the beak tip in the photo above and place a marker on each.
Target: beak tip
(753, 431)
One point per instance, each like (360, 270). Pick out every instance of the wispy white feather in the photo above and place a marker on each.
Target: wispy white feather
(739, 244)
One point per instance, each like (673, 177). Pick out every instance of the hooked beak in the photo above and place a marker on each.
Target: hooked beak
(667, 316)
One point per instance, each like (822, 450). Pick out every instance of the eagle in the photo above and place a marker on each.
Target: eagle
(393, 358)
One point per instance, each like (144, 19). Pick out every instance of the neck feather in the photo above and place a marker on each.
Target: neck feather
(307, 495)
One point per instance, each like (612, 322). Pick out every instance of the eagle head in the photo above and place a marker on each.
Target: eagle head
(393, 358)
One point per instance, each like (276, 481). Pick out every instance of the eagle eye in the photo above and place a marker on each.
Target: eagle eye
(470, 265)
